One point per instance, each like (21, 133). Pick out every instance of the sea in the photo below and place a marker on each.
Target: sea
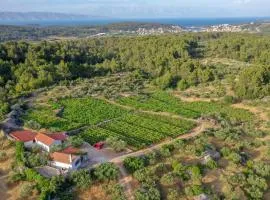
(186, 22)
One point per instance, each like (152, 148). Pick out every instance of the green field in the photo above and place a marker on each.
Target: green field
(104, 119)
(164, 102)
(139, 130)
(77, 113)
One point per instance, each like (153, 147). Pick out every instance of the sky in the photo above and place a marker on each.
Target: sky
(144, 8)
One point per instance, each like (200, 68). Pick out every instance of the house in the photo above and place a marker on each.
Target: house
(69, 158)
(25, 136)
(47, 141)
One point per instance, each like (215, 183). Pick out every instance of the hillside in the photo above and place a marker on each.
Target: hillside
(160, 117)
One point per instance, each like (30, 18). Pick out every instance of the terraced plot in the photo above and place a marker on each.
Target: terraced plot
(139, 130)
(77, 113)
(164, 102)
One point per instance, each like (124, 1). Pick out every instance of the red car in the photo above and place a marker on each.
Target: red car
(99, 145)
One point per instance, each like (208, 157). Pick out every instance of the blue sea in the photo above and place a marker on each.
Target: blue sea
(187, 22)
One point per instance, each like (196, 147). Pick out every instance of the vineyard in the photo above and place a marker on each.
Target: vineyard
(89, 111)
(164, 102)
(46, 117)
(77, 113)
(139, 130)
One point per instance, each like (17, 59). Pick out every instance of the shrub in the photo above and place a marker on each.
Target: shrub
(19, 153)
(26, 190)
(147, 193)
(152, 158)
(194, 190)
(76, 141)
(172, 194)
(115, 191)
(211, 164)
(106, 171)
(82, 179)
(168, 179)
(117, 144)
(3, 156)
(261, 169)
(195, 172)
(33, 125)
(234, 157)
(133, 164)
(225, 151)
(146, 175)
(230, 100)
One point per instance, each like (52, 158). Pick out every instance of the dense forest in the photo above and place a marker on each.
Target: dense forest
(169, 61)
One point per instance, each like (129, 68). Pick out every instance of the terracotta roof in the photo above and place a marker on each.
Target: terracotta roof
(63, 157)
(45, 139)
(71, 150)
(58, 136)
(23, 136)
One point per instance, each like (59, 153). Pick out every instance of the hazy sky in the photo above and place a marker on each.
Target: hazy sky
(144, 8)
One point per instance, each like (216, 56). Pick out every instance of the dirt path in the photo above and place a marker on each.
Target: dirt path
(126, 178)
(125, 181)
(195, 99)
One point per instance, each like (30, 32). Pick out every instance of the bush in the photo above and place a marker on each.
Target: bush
(133, 164)
(225, 151)
(115, 191)
(26, 190)
(146, 176)
(76, 141)
(33, 125)
(168, 179)
(211, 164)
(234, 157)
(172, 194)
(19, 154)
(82, 179)
(194, 190)
(3, 156)
(147, 193)
(195, 172)
(117, 144)
(106, 172)
(230, 100)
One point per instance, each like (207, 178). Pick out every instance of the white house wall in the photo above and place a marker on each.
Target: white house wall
(65, 165)
(46, 147)
(43, 146)
(61, 165)
(29, 144)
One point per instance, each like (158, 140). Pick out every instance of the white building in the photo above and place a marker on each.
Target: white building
(68, 159)
(25, 136)
(47, 141)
